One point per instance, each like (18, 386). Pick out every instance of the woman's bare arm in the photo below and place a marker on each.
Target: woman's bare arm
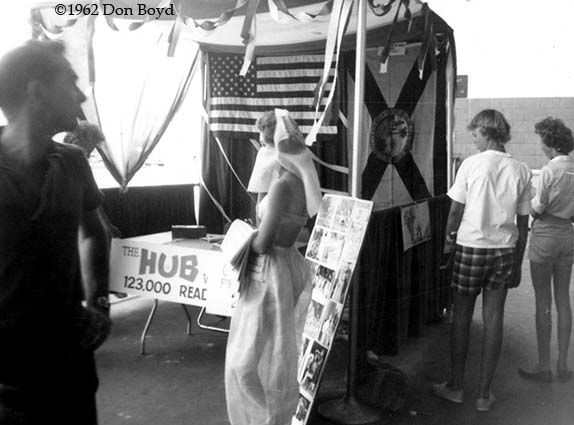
(279, 199)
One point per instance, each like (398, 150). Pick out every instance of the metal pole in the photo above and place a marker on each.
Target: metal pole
(359, 95)
(348, 410)
(358, 105)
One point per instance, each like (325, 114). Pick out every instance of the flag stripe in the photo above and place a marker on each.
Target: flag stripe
(289, 88)
(292, 73)
(248, 128)
(286, 60)
(239, 103)
(299, 116)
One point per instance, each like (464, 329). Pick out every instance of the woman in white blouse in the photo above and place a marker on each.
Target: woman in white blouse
(551, 249)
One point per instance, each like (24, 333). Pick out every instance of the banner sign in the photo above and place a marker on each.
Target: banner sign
(333, 250)
(189, 272)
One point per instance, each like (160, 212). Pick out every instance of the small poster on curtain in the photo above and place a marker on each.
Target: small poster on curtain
(333, 249)
(416, 224)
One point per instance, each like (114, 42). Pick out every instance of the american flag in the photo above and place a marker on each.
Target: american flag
(286, 82)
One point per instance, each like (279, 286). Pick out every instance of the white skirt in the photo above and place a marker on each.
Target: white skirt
(265, 338)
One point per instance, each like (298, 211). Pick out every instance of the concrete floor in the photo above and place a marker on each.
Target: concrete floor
(180, 379)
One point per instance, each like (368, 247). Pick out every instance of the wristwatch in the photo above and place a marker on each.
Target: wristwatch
(451, 237)
(103, 302)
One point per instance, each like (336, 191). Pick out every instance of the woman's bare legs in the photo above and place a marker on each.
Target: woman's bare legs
(564, 313)
(541, 276)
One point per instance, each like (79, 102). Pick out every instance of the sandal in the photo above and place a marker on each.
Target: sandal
(443, 391)
(484, 404)
(540, 376)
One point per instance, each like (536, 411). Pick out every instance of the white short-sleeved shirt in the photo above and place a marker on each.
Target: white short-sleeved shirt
(494, 187)
(555, 188)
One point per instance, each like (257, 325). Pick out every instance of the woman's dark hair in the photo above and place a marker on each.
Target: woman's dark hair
(492, 124)
(554, 134)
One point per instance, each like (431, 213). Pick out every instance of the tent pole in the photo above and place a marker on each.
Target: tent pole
(348, 410)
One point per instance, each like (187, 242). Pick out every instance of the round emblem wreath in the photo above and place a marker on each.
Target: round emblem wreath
(392, 135)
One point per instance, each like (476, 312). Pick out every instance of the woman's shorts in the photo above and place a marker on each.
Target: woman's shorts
(555, 251)
(551, 241)
(477, 268)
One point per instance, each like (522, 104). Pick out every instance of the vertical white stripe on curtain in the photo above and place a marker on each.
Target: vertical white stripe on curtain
(450, 99)
(138, 90)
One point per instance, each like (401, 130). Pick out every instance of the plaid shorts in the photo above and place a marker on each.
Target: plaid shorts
(477, 268)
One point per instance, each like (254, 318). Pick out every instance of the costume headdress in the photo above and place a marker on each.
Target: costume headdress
(293, 155)
(265, 170)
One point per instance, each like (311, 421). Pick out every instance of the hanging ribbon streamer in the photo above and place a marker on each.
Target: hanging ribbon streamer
(255, 144)
(387, 45)
(380, 9)
(248, 33)
(249, 50)
(277, 8)
(135, 25)
(337, 28)
(427, 42)
(53, 29)
(249, 18)
(329, 51)
(210, 25)
(281, 13)
(174, 35)
(215, 202)
(343, 119)
(337, 168)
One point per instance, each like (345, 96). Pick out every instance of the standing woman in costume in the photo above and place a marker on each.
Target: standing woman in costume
(266, 328)
(265, 169)
(551, 247)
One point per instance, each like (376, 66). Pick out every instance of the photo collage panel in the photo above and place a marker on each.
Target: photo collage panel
(333, 250)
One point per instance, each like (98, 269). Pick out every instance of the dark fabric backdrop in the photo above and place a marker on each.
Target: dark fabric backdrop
(145, 210)
(400, 290)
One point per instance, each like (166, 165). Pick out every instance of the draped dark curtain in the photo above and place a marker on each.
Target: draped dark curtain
(150, 209)
(333, 150)
(400, 291)
(221, 186)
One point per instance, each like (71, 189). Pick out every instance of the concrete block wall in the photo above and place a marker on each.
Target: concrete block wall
(522, 114)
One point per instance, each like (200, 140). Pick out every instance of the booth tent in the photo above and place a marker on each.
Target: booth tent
(405, 137)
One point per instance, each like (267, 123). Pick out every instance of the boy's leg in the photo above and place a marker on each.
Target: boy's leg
(492, 314)
(460, 336)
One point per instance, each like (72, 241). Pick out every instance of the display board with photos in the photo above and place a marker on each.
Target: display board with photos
(333, 250)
